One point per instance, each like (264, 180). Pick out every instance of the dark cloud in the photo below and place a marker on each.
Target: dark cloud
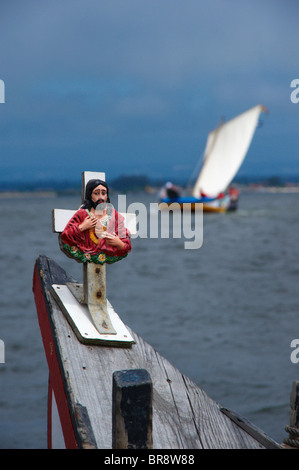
(142, 83)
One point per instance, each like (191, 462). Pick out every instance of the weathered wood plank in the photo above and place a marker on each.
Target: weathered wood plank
(250, 428)
(184, 417)
(292, 442)
(200, 417)
(90, 376)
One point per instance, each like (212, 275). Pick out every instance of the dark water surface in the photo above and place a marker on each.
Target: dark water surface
(224, 314)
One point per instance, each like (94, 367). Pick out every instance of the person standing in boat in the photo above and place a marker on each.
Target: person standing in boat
(234, 193)
(170, 190)
(96, 233)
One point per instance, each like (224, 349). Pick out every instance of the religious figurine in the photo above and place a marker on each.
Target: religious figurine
(96, 233)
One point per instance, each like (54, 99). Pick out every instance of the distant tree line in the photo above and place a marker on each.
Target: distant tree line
(127, 183)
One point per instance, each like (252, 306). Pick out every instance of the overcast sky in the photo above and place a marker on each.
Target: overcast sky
(134, 86)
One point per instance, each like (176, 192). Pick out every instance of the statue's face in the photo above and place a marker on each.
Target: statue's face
(99, 194)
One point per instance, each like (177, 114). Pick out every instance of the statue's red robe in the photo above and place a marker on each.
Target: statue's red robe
(85, 246)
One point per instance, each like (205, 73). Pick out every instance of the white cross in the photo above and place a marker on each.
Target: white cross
(94, 275)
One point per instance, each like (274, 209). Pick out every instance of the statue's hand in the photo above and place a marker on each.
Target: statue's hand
(88, 223)
(113, 240)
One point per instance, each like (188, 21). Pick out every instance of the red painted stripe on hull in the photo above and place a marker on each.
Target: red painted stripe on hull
(56, 379)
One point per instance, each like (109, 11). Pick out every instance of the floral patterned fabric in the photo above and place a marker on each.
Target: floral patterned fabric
(87, 247)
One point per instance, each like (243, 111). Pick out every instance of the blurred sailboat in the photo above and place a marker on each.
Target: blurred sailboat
(225, 151)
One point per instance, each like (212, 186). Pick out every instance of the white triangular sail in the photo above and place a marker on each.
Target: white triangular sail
(225, 151)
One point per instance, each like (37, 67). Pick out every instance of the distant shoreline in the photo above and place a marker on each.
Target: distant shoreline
(54, 194)
(21, 194)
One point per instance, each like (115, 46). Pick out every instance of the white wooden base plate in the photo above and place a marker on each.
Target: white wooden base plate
(80, 319)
